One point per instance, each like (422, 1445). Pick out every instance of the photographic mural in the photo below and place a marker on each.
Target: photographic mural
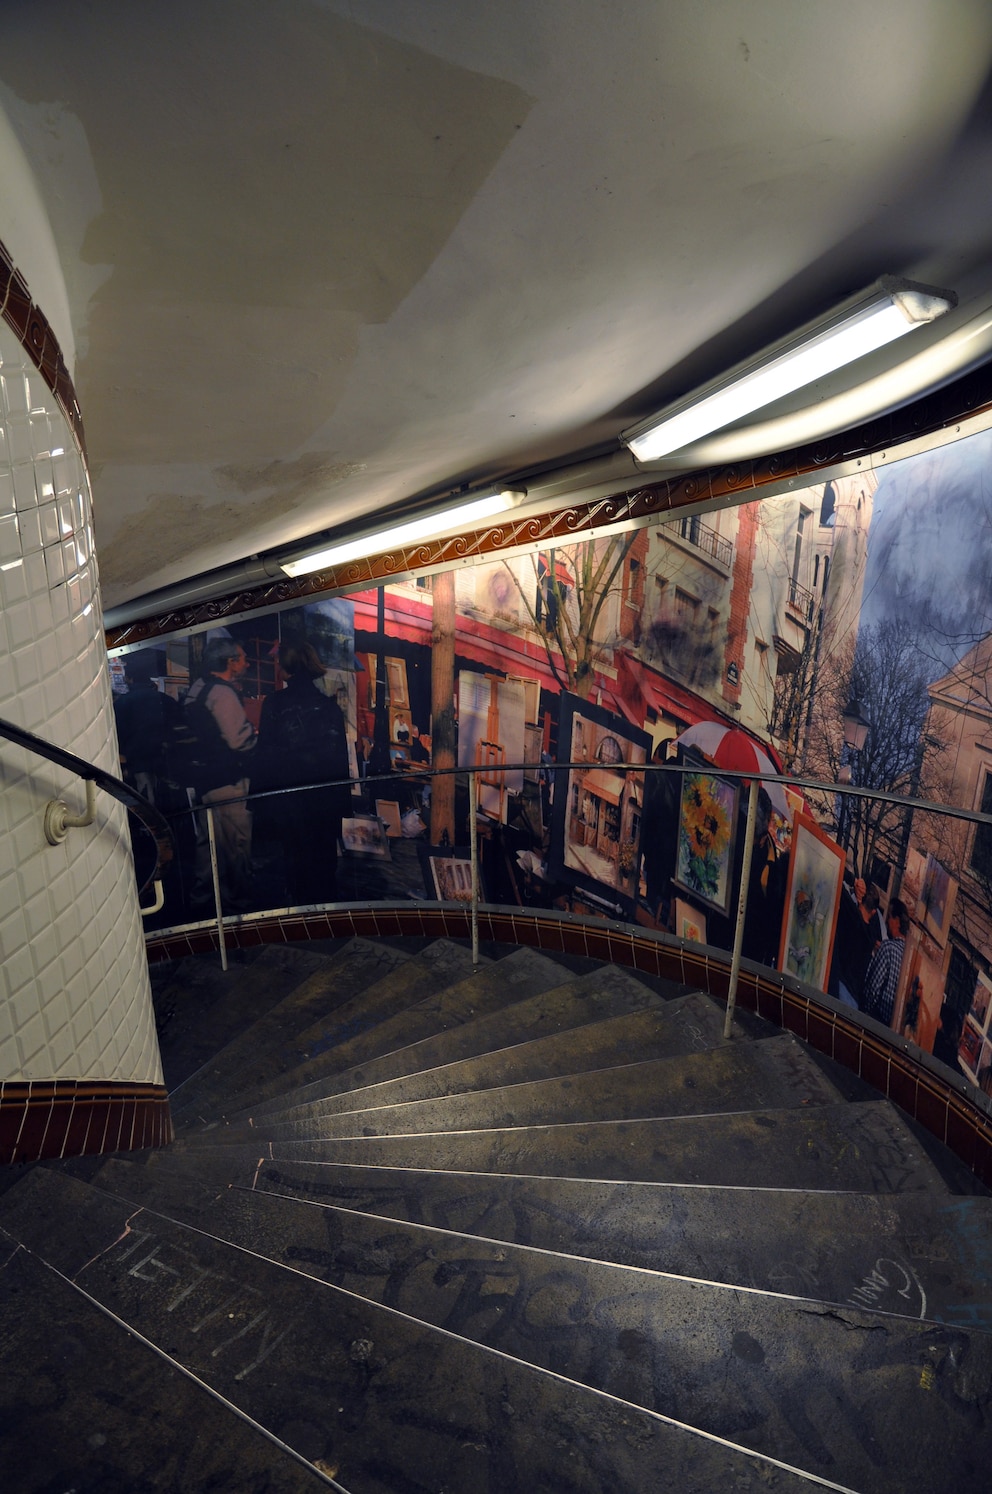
(713, 642)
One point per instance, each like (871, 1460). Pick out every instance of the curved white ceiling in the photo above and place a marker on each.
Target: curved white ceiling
(317, 266)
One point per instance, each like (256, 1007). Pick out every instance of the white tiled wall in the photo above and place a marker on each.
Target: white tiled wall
(75, 994)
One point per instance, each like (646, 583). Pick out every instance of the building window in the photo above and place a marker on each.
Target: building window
(686, 607)
(798, 552)
(634, 592)
(981, 850)
(827, 505)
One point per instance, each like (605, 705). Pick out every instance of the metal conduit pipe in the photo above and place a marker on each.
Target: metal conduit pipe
(953, 347)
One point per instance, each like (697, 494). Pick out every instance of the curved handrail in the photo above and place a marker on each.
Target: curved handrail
(742, 775)
(153, 821)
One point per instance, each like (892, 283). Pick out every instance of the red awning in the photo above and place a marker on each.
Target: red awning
(661, 694)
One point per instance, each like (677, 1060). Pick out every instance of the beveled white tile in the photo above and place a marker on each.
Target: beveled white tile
(74, 973)
(19, 443)
(41, 435)
(29, 525)
(16, 392)
(55, 564)
(10, 538)
(48, 515)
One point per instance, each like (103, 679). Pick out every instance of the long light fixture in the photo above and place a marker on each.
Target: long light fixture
(888, 310)
(462, 516)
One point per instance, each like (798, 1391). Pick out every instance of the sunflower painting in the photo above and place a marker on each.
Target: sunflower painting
(706, 838)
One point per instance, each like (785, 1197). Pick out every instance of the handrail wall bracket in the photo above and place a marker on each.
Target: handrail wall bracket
(59, 818)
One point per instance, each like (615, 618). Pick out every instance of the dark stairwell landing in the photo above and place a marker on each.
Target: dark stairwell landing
(535, 1227)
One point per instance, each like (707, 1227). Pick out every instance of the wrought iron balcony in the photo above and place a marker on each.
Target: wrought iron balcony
(801, 599)
(705, 538)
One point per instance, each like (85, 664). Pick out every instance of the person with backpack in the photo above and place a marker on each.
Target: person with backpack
(302, 741)
(224, 743)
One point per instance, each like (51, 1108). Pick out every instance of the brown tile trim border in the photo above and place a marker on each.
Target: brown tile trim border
(959, 1117)
(30, 324)
(966, 397)
(43, 1118)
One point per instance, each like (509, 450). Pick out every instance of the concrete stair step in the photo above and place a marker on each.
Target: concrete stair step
(199, 1007)
(392, 1403)
(864, 1148)
(928, 1254)
(470, 1021)
(686, 1024)
(265, 1048)
(739, 1076)
(96, 1409)
(519, 975)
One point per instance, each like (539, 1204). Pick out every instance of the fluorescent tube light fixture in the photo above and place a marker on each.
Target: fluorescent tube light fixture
(880, 315)
(462, 516)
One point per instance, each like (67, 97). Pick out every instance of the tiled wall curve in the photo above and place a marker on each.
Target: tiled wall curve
(76, 996)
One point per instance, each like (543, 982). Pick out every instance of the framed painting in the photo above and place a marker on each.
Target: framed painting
(937, 900)
(970, 1047)
(980, 1002)
(365, 836)
(388, 811)
(447, 873)
(689, 924)
(812, 901)
(598, 804)
(396, 684)
(707, 831)
(453, 879)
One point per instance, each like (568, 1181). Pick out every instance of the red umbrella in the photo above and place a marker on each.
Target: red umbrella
(730, 747)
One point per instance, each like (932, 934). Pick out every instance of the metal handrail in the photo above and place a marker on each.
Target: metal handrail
(59, 819)
(755, 780)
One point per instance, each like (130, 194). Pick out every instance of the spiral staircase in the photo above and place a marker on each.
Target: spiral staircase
(533, 1225)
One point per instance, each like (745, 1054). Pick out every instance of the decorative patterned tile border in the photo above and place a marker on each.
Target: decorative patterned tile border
(30, 324)
(636, 504)
(960, 1118)
(76, 1117)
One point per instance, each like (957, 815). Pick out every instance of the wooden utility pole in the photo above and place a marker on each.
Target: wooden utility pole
(443, 707)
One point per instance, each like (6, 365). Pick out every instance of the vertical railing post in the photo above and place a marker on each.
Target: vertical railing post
(473, 840)
(215, 874)
(735, 964)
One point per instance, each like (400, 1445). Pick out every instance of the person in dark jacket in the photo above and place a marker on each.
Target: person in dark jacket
(302, 741)
(147, 724)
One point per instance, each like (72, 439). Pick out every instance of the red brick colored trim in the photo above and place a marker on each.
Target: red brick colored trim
(35, 335)
(42, 1118)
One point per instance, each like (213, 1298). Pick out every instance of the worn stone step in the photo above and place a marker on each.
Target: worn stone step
(738, 1076)
(469, 1022)
(89, 1407)
(199, 1007)
(862, 1148)
(919, 1253)
(911, 1256)
(393, 1404)
(522, 974)
(686, 1024)
(265, 1047)
(437, 966)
